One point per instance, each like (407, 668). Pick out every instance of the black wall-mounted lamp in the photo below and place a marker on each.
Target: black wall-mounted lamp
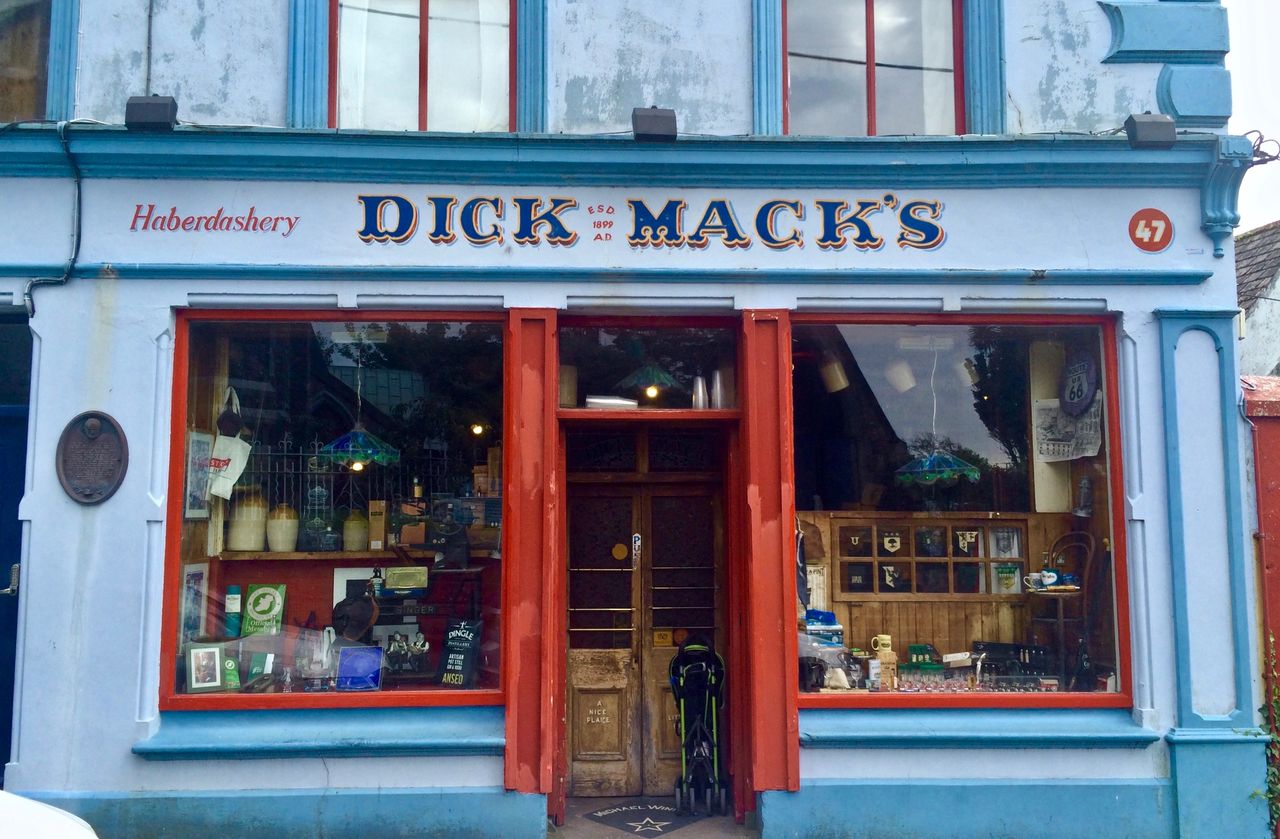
(1150, 131)
(151, 113)
(653, 125)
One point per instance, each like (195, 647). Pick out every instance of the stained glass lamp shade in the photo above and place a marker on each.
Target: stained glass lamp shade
(361, 446)
(936, 467)
(650, 375)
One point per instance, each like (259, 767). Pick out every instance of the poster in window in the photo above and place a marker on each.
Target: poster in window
(199, 447)
(195, 592)
(1060, 436)
(461, 646)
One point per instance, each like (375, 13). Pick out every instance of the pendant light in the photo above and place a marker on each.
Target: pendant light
(360, 447)
(937, 466)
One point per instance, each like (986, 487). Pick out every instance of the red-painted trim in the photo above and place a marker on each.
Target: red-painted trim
(957, 63)
(770, 544)
(171, 701)
(424, 11)
(682, 416)
(294, 701)
(173, 514)
(532, 673)
(1260, 394)
(560, 645)
(650, 321)
(1119, 534)
(333, 63)
(1115, 465)
(737, 654)
(958, 319)
(871, 67)
(331, 316)
(967, 700)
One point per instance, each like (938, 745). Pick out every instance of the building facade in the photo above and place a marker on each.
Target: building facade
(392, 421)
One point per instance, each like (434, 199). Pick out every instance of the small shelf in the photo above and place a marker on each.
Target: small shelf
(368, 557)
(672, 415)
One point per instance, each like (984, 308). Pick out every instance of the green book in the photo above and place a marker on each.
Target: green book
(263, 610)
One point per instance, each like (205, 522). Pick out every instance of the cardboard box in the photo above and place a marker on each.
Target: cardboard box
(377, 525)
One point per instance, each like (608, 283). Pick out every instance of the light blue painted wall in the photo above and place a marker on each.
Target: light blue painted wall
(582, 66)
(605, 59)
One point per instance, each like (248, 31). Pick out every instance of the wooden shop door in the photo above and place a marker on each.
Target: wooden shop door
(644, 571)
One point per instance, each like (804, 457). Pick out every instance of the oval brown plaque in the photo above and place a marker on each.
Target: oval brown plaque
(92, 457)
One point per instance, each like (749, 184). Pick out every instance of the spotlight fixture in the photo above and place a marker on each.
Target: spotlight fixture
(653, 125)
(151, 113)
(1150, 131)
(834, 378)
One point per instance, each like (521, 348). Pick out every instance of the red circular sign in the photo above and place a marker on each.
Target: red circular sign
(1151, 230)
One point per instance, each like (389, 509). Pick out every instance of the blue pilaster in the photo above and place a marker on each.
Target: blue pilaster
(308, 64)
(64, 38)
(531, 66)
(767, 89)
(984, 66)
(1217, 760)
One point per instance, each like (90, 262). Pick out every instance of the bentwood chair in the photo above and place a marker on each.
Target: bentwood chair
(1071, 553)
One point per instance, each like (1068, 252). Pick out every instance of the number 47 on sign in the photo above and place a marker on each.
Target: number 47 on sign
(1151, 230)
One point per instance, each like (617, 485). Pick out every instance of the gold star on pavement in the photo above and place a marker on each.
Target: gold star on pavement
(648, 824)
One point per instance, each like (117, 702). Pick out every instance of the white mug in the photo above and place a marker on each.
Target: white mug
(881, 642)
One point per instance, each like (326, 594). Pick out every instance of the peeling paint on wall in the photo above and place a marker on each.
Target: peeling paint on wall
(226, 63)
(608, 58)
(1055, 78)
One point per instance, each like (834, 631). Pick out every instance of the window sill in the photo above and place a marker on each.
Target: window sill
(972, 728)
(348, 732)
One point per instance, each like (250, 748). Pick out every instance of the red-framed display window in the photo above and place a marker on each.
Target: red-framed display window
(943, 464)
(418, 492)
(421, 12)
(856, 62)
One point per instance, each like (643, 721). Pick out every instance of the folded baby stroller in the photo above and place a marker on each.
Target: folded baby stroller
(697, 683)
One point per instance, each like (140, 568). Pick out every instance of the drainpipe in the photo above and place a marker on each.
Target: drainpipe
(27, 297)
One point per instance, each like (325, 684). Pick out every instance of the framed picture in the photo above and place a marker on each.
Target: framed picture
(204, 668)
(349, 582)
(195, 598)
(196, 503)
(1006, 543)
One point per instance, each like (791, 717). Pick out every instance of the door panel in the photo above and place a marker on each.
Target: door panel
(682, 524)
(604, 712)
(644, 572)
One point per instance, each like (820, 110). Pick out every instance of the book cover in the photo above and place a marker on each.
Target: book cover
(263, 610)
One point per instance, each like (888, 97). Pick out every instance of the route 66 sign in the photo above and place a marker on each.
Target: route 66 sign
(1079, 383)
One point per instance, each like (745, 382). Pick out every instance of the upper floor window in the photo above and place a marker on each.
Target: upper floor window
(460, 59)
(24, 59)
(859, 68)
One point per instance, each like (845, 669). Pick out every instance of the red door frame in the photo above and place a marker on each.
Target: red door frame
(760, 552)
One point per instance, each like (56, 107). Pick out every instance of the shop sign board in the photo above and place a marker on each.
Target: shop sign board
(209, 223)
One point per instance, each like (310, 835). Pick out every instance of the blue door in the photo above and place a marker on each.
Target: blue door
(15, 369)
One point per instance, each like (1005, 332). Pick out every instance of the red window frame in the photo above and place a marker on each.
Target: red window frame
(957, 45)
(1123, 698)
(423, 19)
(170, 699)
